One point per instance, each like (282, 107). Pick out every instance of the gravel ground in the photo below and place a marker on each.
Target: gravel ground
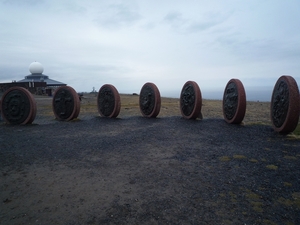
(136, 170)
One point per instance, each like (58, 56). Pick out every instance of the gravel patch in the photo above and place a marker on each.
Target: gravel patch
(137, 170)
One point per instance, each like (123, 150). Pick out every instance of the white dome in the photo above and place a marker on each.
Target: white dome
(36, 67)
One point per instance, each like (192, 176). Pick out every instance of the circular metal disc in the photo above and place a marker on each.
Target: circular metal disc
(0, 110)
(108, 101)
(65, 103)
(34, 110)
(18, 106)
(285, 107)
(150, 100)
(234, 102)
(190, 100)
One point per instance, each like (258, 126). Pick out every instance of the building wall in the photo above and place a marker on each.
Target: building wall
(33, 87)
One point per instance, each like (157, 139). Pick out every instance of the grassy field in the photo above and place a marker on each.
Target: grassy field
(256, 112)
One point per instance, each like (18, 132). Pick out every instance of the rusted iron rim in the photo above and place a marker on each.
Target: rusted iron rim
(72, 97)
(285, 107)
(108, 104)
(236, 100)
(149, 100)
(190, 100)
(31, 105)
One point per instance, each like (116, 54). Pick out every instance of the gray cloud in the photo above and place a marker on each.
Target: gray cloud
(118, 15)
(69, 7)
(148, 25)
(91, 69)
(184, 25)
(203, 25)
(127, 43)
(259, 49)
(53, 7)
(23, 2)
(7, 74)
(174, 17)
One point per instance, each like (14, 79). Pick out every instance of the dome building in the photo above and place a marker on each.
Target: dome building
(36, 69)
(38, 81)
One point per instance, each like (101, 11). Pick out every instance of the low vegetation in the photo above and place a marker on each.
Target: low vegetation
(257, 113)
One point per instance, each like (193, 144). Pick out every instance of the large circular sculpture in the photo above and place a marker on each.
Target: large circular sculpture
(18, 106)
(234, 102)
(108, 101)
(190, 100)
(150, 100)
(285, 107)
(65, 103)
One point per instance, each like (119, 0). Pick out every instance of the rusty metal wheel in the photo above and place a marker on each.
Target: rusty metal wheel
(190, 100)
(285, 107)
(149, 100)
(18, 106)
(65, 103)
(108, 101)
(34, 110)
(234, 102)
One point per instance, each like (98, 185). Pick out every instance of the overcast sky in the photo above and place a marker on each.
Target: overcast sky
(127, 43)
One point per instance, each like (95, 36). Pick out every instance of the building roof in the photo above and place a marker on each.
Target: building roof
(39, 77)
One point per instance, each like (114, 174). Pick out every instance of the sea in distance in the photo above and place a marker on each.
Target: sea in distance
(261, 94)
